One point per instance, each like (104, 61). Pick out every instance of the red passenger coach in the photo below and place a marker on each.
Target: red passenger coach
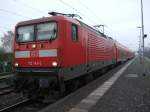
(50, 51)
(123, 53)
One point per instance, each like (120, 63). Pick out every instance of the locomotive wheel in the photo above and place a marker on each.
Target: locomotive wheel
(88, 78)
(75, 85)
(51, 98)
(72, 85)
(62, 87)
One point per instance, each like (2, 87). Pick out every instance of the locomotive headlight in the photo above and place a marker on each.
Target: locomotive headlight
(16, 64)
(33, 46)
(54, 64)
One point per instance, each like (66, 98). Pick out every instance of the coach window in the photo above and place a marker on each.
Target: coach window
(74, 32)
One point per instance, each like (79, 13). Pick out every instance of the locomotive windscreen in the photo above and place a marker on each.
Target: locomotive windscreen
(42, 31)
(25, 33)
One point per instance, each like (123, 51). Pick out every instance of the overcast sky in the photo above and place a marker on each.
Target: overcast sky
(120, 17)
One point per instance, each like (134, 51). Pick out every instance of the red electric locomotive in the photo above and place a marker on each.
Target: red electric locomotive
(52, 51)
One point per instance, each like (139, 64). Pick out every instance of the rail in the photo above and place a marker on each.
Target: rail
(5, 73)
(9, 108)
(6, 90)
(5, 77)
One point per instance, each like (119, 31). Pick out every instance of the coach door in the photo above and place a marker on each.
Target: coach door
(115, 53)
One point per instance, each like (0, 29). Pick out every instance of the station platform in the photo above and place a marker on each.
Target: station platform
(128, 90)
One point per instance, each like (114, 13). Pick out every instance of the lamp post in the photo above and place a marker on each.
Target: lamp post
(143, 35)
(139, 27)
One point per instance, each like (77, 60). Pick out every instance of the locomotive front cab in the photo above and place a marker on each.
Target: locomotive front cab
(36, 47)
(42, 55)
(36, 55)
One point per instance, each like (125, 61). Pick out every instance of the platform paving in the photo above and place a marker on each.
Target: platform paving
(130, 93)
(86, 104)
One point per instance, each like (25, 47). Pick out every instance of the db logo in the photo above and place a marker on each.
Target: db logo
(34, 53)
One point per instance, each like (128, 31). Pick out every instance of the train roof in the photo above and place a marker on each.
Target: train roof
(56, 17)
(46, 19)
(122, 46)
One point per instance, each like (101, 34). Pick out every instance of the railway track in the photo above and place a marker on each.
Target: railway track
(26, 105)
(4, 87)
(14, 106)
(5, 90)
(3, 77)
(5, 73)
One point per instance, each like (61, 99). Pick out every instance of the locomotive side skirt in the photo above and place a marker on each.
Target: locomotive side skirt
(79, 70)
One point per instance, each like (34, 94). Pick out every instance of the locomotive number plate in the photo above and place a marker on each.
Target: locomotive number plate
(34, 53)
(35, 63)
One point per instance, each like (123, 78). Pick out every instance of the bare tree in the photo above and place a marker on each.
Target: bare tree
(2, 52)
(1, 49)
(7, 41)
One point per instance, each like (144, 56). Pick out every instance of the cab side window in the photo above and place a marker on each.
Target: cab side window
(74, 32)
